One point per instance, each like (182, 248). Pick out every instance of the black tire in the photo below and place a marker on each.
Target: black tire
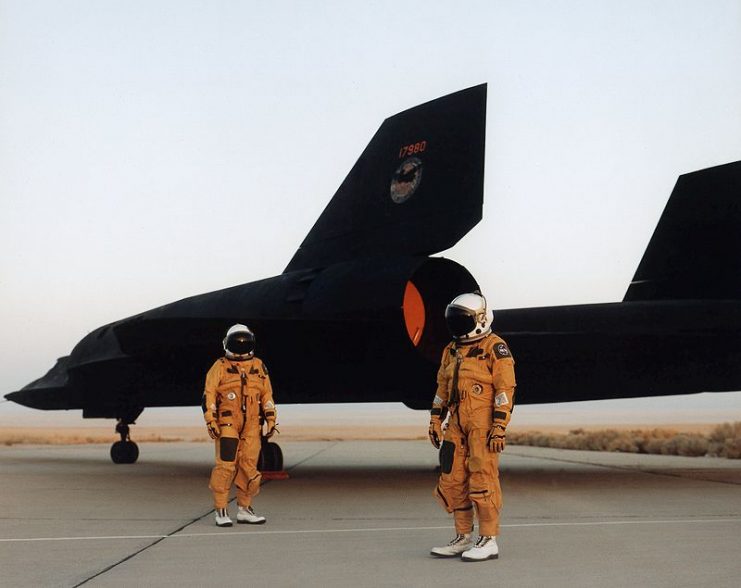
(271, 458)
(277, 457)
(124, 452)
(132, 452)
(118, 452)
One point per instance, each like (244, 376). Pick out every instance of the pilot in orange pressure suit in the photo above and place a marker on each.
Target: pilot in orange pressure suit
(237, 390)
(476, 385)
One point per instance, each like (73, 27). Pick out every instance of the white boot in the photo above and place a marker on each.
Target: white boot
(485, 548)
(457, 546)
(222, 518)
(247, 515)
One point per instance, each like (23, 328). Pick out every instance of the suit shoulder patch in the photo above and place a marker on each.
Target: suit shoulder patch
(501, 350)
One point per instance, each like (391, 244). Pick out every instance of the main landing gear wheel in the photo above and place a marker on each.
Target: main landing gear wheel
(271, 457)
(125, 450)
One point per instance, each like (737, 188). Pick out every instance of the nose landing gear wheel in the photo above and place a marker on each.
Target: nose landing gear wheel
(125, 450)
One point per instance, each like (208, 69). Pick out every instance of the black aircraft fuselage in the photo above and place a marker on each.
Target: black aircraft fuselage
(357, 316)
(624, 349)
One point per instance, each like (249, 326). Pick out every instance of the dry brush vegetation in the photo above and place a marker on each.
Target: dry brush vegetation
(723, 441)
(38, 436)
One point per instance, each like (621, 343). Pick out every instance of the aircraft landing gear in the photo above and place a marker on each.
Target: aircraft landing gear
(125, 450)
(271, 457)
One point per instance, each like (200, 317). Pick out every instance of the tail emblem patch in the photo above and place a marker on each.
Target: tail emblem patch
(406, 179)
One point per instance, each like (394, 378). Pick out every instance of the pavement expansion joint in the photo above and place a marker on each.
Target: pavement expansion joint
(177, 531)
(334, 520)
(132, 555)
(676, 473)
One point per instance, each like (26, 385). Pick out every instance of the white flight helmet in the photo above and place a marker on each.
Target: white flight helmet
(239, 342)
(468, 317)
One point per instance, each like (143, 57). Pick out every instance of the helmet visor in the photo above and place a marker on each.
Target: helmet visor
(240, 343)
(460, 321)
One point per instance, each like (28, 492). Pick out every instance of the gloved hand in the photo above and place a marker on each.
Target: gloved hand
(272, 428)
(213, 429)
(435, 432)
(495, 439)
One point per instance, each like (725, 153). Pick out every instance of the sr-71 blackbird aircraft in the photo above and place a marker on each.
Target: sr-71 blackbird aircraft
(361, 304)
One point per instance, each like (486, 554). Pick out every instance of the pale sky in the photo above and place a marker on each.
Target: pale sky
(152, 150)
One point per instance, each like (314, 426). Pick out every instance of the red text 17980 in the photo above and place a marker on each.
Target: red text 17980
(412, 149)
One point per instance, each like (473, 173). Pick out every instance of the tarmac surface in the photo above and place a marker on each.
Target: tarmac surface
(361, 513)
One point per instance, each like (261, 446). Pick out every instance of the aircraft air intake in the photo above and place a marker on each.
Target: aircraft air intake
(414, 313)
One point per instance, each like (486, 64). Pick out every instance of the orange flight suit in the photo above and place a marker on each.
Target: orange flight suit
(476, 384)
(235, 394)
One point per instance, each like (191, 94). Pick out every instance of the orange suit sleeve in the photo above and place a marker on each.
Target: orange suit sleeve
(266, 396)
(208, 404)
(503, 379)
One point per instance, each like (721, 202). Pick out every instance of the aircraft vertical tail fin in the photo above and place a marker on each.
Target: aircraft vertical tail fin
(416, 189)
(695, 251)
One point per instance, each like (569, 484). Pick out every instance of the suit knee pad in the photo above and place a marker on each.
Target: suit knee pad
(228, 449)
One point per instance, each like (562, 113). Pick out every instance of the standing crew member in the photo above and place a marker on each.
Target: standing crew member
(237, 391)
(476, 385)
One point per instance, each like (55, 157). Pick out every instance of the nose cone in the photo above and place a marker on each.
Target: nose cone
(51, 392)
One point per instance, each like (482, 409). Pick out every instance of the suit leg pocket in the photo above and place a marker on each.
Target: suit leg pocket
(447, 453)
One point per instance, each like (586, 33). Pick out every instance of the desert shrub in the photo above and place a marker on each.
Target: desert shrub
(594, 441)
(688, 445)
(723, 441)
(725, 431)
(732, 448)
(574, 441)
(653, 445)
(624, 443)
(607, 440)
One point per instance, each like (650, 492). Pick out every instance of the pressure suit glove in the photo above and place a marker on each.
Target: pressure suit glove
(272, 428)
(495, 439)
(213, 429)
(435, 432)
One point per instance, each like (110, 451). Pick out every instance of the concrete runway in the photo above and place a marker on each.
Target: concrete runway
(362, 514)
